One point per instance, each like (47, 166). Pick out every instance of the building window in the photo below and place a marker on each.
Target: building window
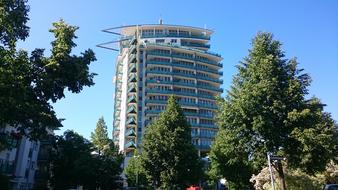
(159, 40)
(173, 40)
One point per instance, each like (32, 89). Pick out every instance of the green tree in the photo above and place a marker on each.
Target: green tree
(100, 137)
(168, 156)
(73, 163)
(29, 83)
(136, 174)
(266, 111)
(109, 169)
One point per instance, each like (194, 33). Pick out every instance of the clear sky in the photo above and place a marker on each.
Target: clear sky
(308, 30)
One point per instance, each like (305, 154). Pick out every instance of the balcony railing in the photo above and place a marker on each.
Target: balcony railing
(190, 44)
(131, 99)
(159, 72)
(131, 132)
(176, 36)
(158, 53)
(210, 88)
(132, 68)
(131, 109)
(160, 91)
(131, 121)
(220, 81)
(203, 147)
(203, 135)
(175, 64)
(131, 144)
(184, 103)
(185, 113)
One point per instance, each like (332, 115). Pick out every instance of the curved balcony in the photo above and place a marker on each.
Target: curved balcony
(170, 92)
(208, 126)
(194, 76)
(131, 109)
(198, 115)
(184, 103)
(184, 74)
(132, 39)
(203, 147)
(155, 112)
(200, 77)
(132, 88)
(159, 72)
(132, 78)
(189, 58)
(132, 58)
(210, 106)
(131, 99)
(130, 144)
(132, 68)
(177, 35)
(179, 65)
(182, 56)
(197, 45)
(210, 88)
(156, 53)
(132, 49)
(131, 133)
(153, 81)
(199, 135)
(131, 121)
(159, 63)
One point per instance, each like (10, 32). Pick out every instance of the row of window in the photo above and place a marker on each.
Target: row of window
(160, 78)
(161, 69)
(204, 142)
(192, 120)
(182, 71)
(206, 121)
(160, 31)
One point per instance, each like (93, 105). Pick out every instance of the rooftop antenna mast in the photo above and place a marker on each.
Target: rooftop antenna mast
(161, 20)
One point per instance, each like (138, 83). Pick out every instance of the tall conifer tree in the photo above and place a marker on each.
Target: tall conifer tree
(266, 110)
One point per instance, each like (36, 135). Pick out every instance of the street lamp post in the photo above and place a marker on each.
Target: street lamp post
(271, 173)
(279, 168)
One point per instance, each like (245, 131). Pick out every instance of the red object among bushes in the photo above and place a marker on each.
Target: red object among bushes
(194, 187)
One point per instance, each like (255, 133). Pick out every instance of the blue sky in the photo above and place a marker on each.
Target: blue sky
(308, 30)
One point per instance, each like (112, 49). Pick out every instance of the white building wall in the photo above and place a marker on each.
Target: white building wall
(24, 162)
(123, 102)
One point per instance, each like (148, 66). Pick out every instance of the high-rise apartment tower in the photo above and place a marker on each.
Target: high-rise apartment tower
(155, 61)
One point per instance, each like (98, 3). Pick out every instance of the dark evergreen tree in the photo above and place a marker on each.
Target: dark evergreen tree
(266, 110)
(168, 156)
(100, 137)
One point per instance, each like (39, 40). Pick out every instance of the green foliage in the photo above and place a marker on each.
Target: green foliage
(30, 82)
(74, 164)
(13, 19)
(109, 170)
(136, 174)
(266, 111)
(100, 136)
(168, 156)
